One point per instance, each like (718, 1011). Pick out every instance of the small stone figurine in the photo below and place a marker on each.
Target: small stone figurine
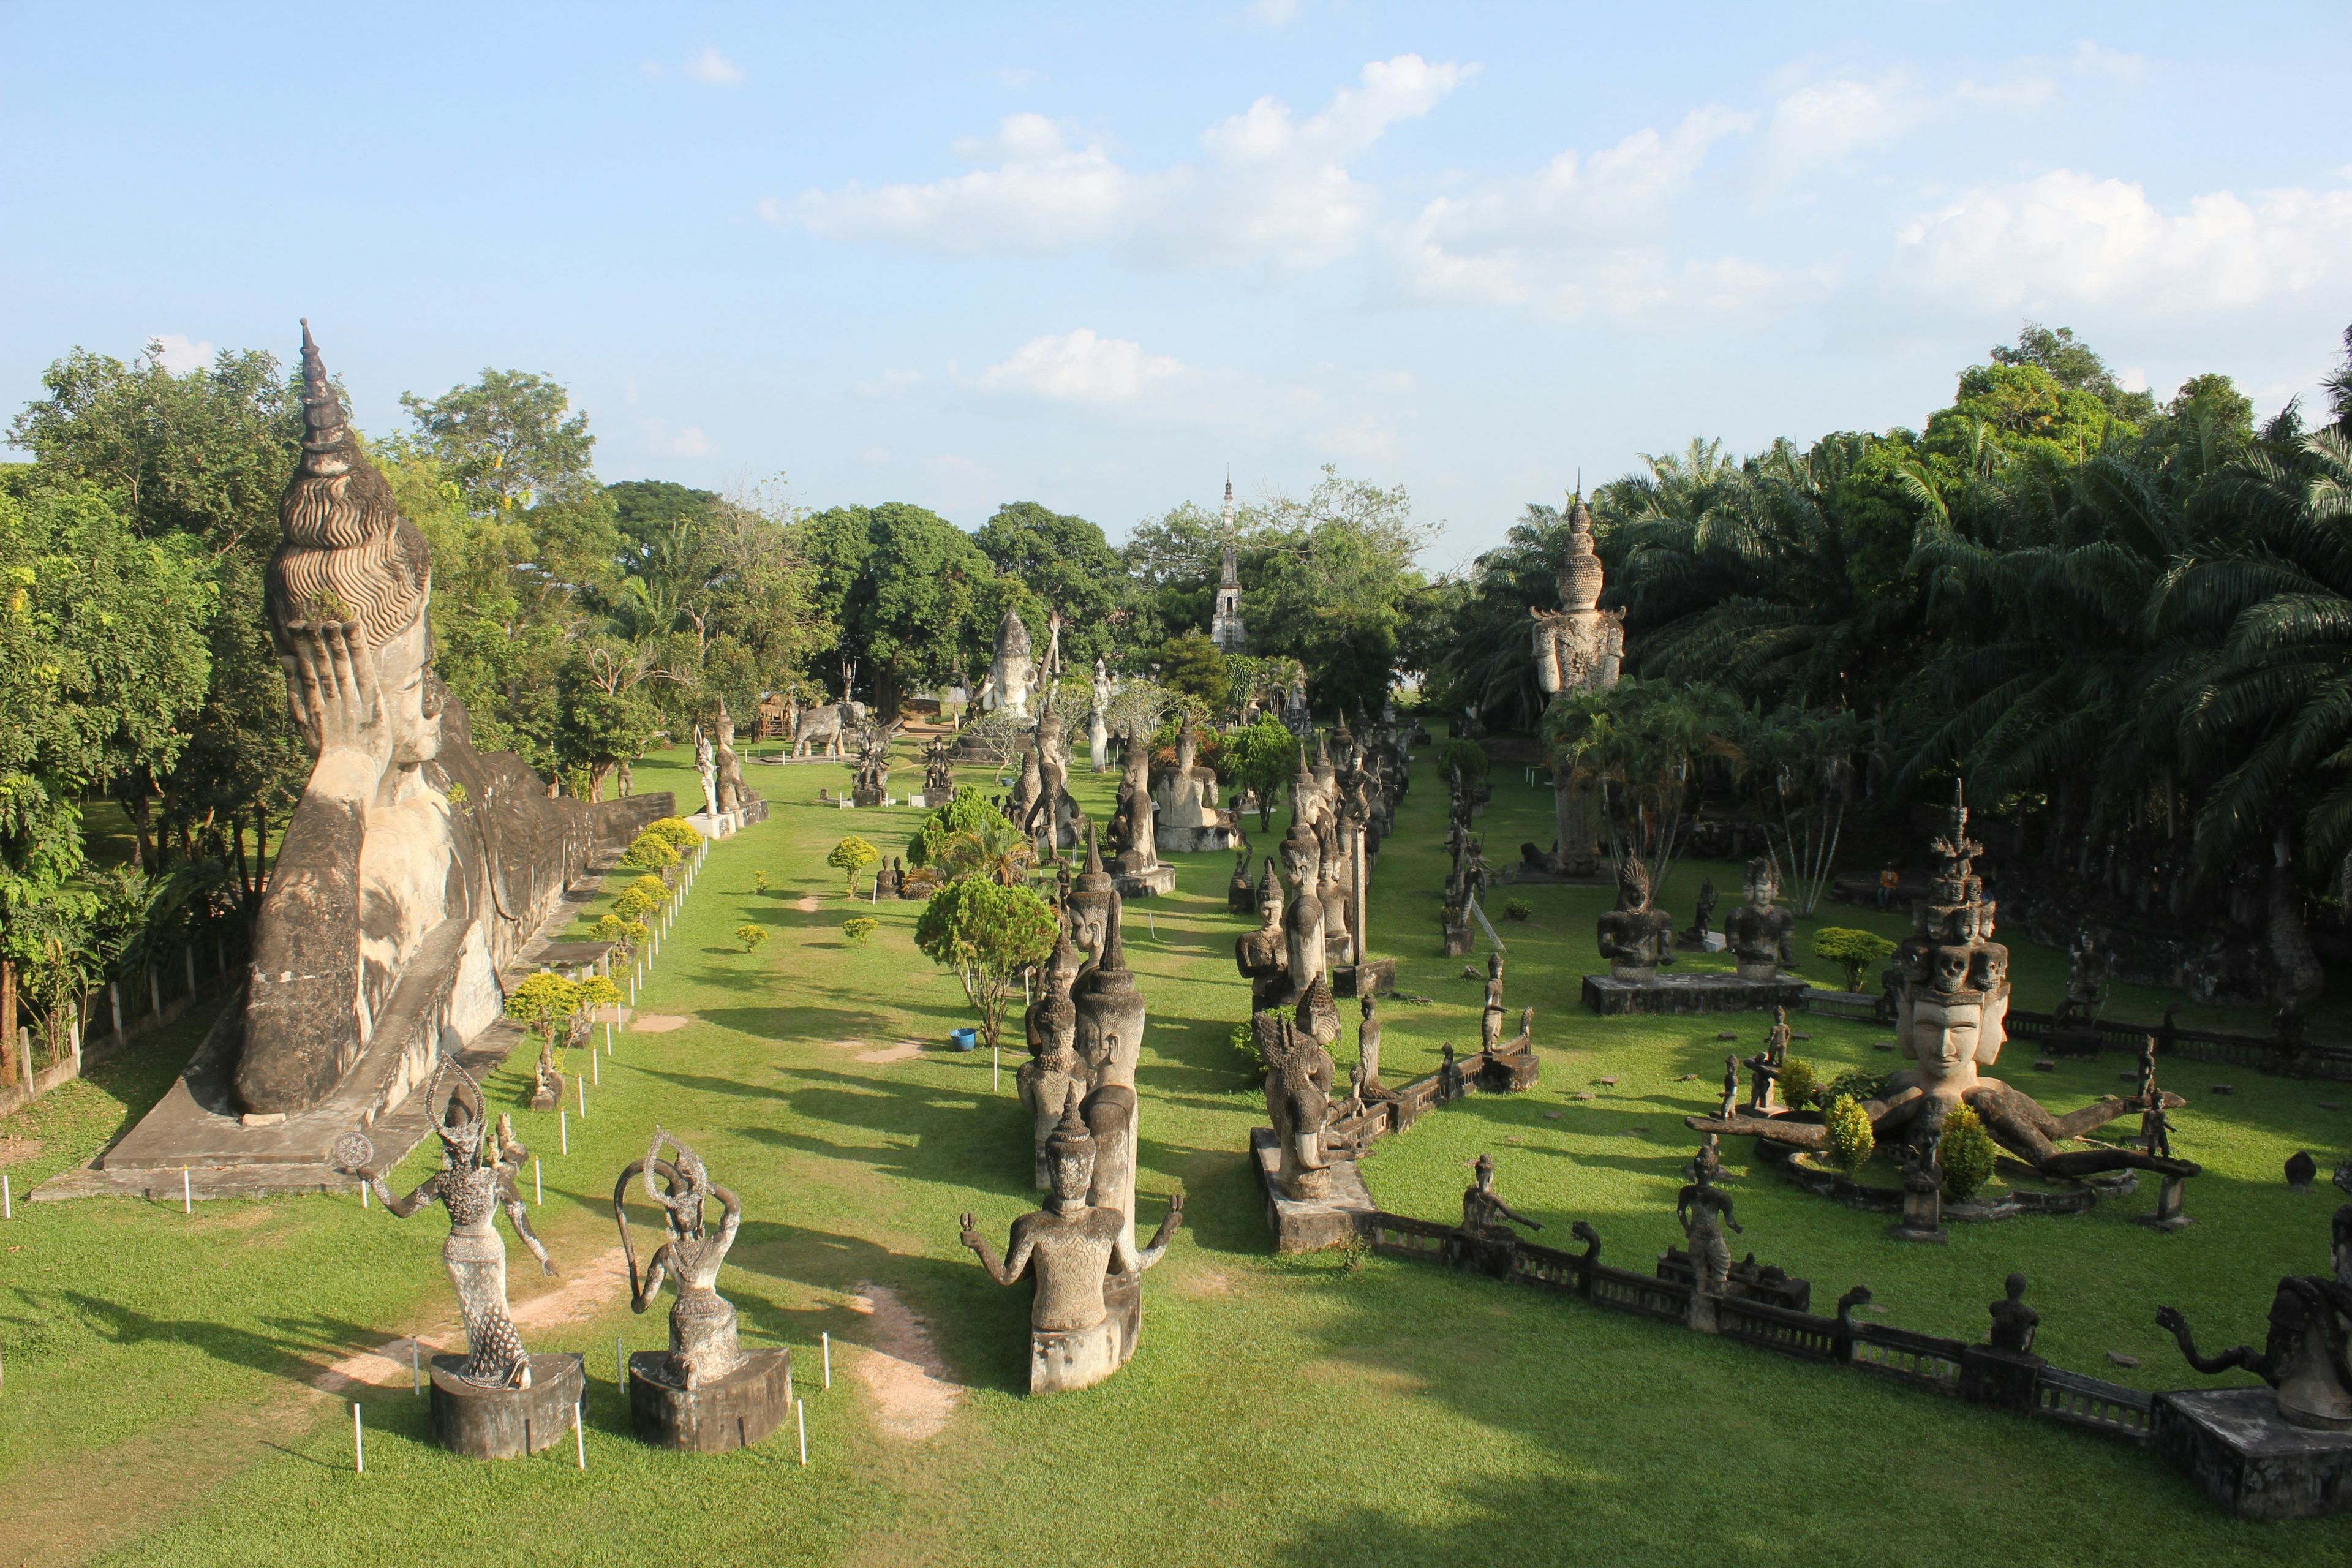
(474, 1182)
(1484, 1213)
(2014, 1323)
(1490, 1020)
(1730, 1087)
(703, 1346)
(1703, 1211)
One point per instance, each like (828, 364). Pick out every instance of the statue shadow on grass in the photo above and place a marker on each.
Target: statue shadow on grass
(302, 1347)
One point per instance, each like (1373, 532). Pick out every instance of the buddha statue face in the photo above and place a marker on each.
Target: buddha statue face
(1073, 1162)
(1763, 881)
(411, 695)
(1951, 1037)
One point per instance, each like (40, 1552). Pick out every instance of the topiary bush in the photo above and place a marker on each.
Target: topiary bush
(650, 851)
(1967, 1153)
(1851, 951)
(858, 928)
(853, 854)
(1517, 910)
(1797, 1081)
(1851, 1140)
(676, 832)
(1467, 755)
(750, 935)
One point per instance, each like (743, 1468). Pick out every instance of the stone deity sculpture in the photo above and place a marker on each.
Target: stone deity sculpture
(2308, 1359)
(1367, 1085)
(703, 1344)
(1012, 672)
(1052, 814)
(1263, 956)
(1091, 896)
(706, 768)
(2015, 1324)
(1765, 1067)
(938, 774)
(1111, 1019)
(732, 796)
(1185, 805)
(1299, 1073)
(1302, 921)
(1137, 861)
(1051, 1025)
(1490, 1016)
(1951, 999)
(1633, 936)
(1484, 1212)
(1703, 1210)
(1702, 917)
(474, 1182)
(1098, 722)
(1072, 1247)
(1579, 648)
(1760, 934)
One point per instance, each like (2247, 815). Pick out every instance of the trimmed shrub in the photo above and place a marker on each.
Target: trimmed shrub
(1245, 1043)
(1467, 755)
(1797, 1081)
(650, 851)
(1517, 910)
(759, 882)
(1967, 1153)
(858, 928)
(750, 935)
(1851, 1141)
(676, 832)
(1851, 951)
(853, 854)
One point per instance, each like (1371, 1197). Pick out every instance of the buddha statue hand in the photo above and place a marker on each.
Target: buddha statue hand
(971, 1237)
(336, 699)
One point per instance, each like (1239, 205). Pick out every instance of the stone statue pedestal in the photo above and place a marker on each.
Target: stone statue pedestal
(1152, 882)
(2003, 1379)
(2167, 1216)
(728, 1413)
(506, 1422)
(1373, 977)
(1610, 994)
(2249, 1458)
(1922, 1216)
(1459, 940)
(1063, 1360)
(1308, 1225)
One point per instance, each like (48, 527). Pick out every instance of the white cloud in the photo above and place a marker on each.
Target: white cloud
(1017, 78)
(1270, 13)
(712, 69)
(890, 382)
(2091, 58)
(2069, 237)
(1366, 439)
(1082, 367)
(1825, 121)
(1272, 186)
(1395, 381)
(687, 442)
(1583, 235)
(176, 353)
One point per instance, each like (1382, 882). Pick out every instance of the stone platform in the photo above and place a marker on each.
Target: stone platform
(1373, 977)
(728, 1413)
(1156, 883)
(506, 1422)
(2233, 1442)
(1302, 1224)
(1715, 993)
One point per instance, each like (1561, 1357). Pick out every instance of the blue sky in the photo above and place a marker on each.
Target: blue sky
(1098, 256)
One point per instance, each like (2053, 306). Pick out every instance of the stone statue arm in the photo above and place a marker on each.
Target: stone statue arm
(1723, 1200)
(1128, 1259)
(1547, 675)
(2169, 1319)
(519, 1215)
(657, 1266)
(428, 1191)
(2025, 1130)
(1500, 1207)
(731, 1220)
(1015, 1262)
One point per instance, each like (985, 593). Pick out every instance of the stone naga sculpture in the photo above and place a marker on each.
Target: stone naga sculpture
(1298, 1102)
(1634, 937)
(1951, 1000)
(703, 1344)
(474, 1182)
(1072, 1246)
(1759, 932)
(2308, 1359)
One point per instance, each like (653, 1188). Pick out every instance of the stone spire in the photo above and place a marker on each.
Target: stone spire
(1225, 628)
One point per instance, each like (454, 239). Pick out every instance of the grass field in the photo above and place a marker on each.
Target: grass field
(159, 1403)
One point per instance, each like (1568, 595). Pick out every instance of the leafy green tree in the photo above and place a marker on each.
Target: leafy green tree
(987, 933)
(851, 855)
(2072, 364)
(1193, 665)
(1068, 566)
(1262, 756)
(1646, 747)
(1851, 951)
(509, 439)
(1331, 581)
(902, 585)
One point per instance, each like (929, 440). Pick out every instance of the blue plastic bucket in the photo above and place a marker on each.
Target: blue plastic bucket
(965, 1039)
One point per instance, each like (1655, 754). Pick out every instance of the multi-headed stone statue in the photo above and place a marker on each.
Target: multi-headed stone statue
(1073, 1248)
(1052, 1025)
(1951, 999)
(1307, 954)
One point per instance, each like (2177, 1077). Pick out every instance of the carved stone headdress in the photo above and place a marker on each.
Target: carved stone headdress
(1269, 885)
(348, 554)
(1950, 955)
(460, 1120)
(1580, 568)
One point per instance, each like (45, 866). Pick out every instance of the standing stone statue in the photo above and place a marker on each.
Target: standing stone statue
(1098, 722)
(1044, 1080)
(732, 796)
(1703, 1211)
(1012, 672)
(1702, 919)
(1765, 1067)
(1073, 1248)
(1368, 1084)
(703, 1345)
(1490, 1018)
(706, 768)
(474, 1182)
(1760, 934)
(1137, 861)
(1241, 893)
(1264, 955)
(1579, 648)
(1302, 921)
(1052, 814)
(2015, 1324)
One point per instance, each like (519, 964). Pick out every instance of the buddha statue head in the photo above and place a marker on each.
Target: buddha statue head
(1188, 747)
(1632, 883)
(351, 579)
(1302, 855)
(1579, 569)
(1269, 898)
(1763, 881)
(1070, 1157)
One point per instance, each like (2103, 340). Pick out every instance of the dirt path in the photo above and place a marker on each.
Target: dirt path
(902, 1370)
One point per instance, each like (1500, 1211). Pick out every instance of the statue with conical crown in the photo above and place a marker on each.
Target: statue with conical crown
(1013, 672)
(1579, 648)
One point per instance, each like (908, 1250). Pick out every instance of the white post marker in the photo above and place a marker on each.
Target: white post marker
(800, 1417)
(583, 1095)
(995, 1066)
(415, 1367)
(363, 1194)
(359, 1442)
(7, 1198)
(594, 1071)
(620, 1363)
(579, 1437)
(562, 1131)
(827, 1338)
(187, 1200)
(608, 1037)
(538, 1188)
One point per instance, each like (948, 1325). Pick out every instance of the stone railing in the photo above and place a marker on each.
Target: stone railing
(2262, 1053)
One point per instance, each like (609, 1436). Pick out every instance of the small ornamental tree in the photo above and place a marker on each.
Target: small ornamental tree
(963, 815)
(645, 896)
(1798, 1080)
(543, 1004)
(1853, 950)
(858, 928)
(853, 854)
(676, 832)
(1467, 755)
(650, 851)
(625, 934)
(1851, 1140)
(750, 935)
(595, 992)
(987, 933)
(1262, 757)
(1966, 1154)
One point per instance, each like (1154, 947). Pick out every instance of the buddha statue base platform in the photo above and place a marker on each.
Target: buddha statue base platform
(1061, 1359)
(481, 1423)
(721, 1414)
(1152, 882)
(1373, 977)
(1308, 1225)
(1611, 994)
(1194, 840)
(2249, 1458)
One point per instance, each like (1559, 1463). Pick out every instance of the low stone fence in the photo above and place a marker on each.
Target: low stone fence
(2262, 1053)
(1977, 1374)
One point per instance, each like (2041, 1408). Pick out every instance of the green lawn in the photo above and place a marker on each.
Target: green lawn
(1290, 1411)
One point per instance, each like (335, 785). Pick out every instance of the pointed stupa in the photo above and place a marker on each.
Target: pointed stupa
(1269, 885)
(1012, 637)
(1094, 879)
